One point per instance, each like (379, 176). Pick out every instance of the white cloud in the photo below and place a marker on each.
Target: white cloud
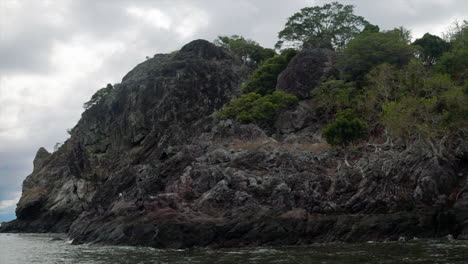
(82, 55)
(153, 16)
(191, 20)
(25, 97)
(185, 21)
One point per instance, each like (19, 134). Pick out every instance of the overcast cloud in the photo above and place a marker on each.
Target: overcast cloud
(55, 54)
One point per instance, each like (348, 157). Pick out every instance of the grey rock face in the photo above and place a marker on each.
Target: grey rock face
(164, 101)
(149, 166)
(305, 71)
(41, 156)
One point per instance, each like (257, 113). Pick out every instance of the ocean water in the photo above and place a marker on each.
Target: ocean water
(41, 249)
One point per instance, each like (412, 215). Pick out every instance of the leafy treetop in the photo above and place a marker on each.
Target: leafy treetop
(250, 51)
(370, 49)
(328, 26)
(455, 62)
(431, 48)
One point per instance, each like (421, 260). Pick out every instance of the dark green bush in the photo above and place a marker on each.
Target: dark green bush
(263, 80)
(254, 108)
(346, 129)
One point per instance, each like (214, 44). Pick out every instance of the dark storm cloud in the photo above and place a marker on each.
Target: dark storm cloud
(44, 46)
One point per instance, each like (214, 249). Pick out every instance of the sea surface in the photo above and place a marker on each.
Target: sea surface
(40, 248)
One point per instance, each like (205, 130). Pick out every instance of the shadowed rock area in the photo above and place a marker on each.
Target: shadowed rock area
(150, 166)
(306, 70)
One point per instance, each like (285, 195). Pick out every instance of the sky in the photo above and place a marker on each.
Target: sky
(55, 54)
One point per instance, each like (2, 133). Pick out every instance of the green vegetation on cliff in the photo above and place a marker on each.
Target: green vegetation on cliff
(263, 80)
(254, 108)
(248, 50)
(328, 26)
(346, 129)
(412, 92)
(382, 84)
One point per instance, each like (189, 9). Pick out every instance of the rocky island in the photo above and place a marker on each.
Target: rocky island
(154, 161)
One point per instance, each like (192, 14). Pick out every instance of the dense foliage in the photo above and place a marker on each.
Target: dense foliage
(263, 80)
(254, 108)
(431, 48)
(370, 49)
(346, 129)
(415, 93)
(455, 62)
(328, 26)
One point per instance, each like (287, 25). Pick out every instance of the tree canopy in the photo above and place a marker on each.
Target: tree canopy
(249, 51)
(455, 62)
(370, 49)
(431, 48)
(328, 26)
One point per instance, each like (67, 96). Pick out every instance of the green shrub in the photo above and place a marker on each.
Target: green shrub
(254, 108)
(263, 80)
(346, 129)
(239, 109)
(332, 96)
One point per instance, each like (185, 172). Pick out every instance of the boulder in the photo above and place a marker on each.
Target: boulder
(305, 71)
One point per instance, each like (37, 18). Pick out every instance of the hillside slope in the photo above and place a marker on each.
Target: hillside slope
(149, 165)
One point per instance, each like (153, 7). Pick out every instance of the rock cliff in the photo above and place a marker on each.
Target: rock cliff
(148, 165)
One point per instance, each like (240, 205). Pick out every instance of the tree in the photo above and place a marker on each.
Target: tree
(369, 28)
(99, 96)
(346, 129)
(332, 96)
(248, 50)
(455, 30)
(368, 50)
(455, 62)
(264, 78)
(413, 77)
(431, 48)
(383, 79)
(328, 26)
